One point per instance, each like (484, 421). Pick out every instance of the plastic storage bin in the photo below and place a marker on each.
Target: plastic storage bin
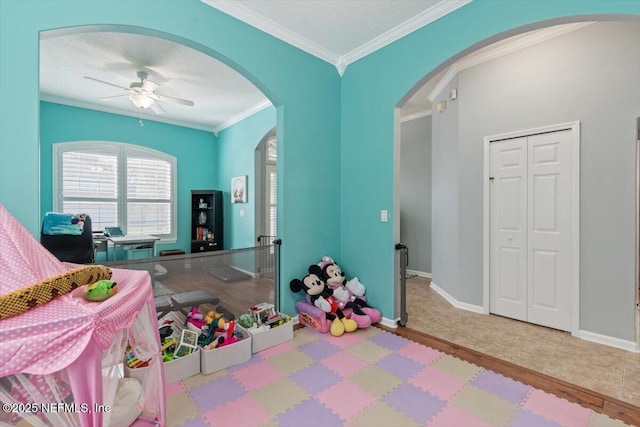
(263, 339)
(174, 371)
(228, 355)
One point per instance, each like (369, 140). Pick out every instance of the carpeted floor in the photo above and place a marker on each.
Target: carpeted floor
(367, 378)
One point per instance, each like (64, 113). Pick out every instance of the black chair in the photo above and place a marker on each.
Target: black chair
(78, 249)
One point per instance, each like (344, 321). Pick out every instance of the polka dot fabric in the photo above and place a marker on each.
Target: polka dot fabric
(23, 260)
(49, 337)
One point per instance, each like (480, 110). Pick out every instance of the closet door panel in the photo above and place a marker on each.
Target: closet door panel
(508, 277)
(549, 229)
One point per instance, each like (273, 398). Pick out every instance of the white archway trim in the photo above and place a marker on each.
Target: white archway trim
(501, 49)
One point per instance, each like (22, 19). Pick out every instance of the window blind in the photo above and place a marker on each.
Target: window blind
(117, 184)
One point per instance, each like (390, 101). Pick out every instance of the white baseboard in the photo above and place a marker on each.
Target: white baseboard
(610, 341)
(389, 323)
(419, 273)
(295, 320)
(457, 304)
(253, 275)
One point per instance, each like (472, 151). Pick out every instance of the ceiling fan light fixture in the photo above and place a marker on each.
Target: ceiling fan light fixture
(140, 100)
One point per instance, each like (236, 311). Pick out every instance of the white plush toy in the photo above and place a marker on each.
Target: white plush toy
(356, 288)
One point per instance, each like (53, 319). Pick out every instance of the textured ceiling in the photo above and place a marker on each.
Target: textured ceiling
(219, 93)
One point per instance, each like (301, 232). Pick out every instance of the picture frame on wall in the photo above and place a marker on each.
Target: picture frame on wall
(239, 189)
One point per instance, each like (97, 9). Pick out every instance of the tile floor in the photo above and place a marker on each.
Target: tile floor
(604, 369)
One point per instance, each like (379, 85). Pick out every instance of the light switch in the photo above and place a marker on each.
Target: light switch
(241, 213)
(384, 216)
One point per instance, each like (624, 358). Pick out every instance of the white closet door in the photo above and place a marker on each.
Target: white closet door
(508, 277)
(549, 229)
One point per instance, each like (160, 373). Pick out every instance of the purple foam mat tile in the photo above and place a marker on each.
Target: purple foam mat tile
(319, 350)
(389, 340)
(309, 413)
(315, 378)
(501, 386)
(255, 358)
(415, 403)
(196, 422)
(399, 365)
(526, 418)
(216, 393)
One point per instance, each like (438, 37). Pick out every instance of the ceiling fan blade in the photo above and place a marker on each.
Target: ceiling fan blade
(114, 96)
(156, 108)
(149, 86)
(106, 83)
(172, 99)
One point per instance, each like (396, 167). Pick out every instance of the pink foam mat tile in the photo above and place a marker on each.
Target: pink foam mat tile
(346, 399)
(277, 350)
(452, 416)
(437, 383)
(245, 411)
(420, 353)
(257, 375)
(344, 363)
(559, 410)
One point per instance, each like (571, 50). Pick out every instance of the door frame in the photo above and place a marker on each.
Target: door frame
(575, 213)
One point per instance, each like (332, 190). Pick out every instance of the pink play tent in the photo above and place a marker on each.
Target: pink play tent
(60, 362)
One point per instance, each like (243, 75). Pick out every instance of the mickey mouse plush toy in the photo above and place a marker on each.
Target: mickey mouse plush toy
(322, 297)
(363, 314)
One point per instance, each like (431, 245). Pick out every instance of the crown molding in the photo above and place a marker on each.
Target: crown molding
(424, 18)
(414, 116)
(249, 17)
(504, 49)
(241, 116)
(151, 116)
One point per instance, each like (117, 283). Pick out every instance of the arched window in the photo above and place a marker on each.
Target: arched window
(117, 184)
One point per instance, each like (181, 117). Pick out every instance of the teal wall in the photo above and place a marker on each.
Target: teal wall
(322, 120)
(304, 89)
(235, 151)
(193, 149)
(374, 85)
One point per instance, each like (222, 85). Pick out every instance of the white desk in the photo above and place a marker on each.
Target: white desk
(132, 240)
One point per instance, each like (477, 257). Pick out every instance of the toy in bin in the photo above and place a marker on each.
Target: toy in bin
(266, 314)
(188, 343)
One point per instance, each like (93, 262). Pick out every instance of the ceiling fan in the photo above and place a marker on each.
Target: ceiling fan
(143, 95)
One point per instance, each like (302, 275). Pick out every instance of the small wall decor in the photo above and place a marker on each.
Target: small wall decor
(239, 189)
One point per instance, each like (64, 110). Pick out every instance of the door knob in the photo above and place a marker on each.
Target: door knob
(510, 237)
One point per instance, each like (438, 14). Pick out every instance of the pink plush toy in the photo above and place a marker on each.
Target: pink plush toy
(195, 320)
(229, 334)
(363, 314)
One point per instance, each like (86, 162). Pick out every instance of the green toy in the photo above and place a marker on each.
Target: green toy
(101, 290)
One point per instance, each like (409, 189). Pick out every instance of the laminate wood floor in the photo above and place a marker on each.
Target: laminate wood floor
(177, 274)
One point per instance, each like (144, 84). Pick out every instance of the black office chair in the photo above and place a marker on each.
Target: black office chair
(78, 249)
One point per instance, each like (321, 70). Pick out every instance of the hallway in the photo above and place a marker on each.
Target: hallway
(604, 369)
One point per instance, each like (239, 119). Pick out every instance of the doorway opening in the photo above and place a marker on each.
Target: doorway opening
(266, 181)
(511, 85)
